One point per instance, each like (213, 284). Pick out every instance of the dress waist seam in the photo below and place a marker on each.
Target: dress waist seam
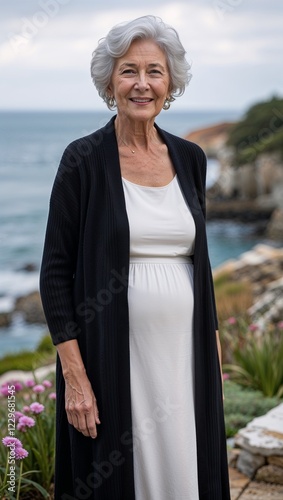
(161, 260)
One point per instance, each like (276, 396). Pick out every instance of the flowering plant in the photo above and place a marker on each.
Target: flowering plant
(256, 355)
(29, 439)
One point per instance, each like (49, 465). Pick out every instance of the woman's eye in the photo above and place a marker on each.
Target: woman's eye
(128, 71)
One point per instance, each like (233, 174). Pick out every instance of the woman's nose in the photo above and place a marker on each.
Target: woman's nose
(142, 82)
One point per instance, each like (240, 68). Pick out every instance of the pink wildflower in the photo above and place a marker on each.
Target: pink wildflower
(21, 453)
(4, 390)
(280, 325)
(18, 415)
(47, 383)
(231, 320)
(18, 386)
(10, 441)
(253, 327)
(52, 395)
(30, 382)
(36, 407)
(26, 409)
(226, 376)
(25, 422)
(38, 388)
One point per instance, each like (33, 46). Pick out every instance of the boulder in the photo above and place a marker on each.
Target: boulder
(274, 460)
(258, 490)
(263, 435)
(248, 463)
(31, 308)
(5, 319)
(270, 474)
(29, 267)
(211, 139)
(275, 226)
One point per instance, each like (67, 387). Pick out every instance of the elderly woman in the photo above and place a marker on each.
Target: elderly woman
(127, 291)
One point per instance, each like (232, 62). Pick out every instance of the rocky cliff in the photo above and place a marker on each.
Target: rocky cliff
(248, 192)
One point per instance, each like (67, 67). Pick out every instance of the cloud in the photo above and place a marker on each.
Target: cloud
(49, 44)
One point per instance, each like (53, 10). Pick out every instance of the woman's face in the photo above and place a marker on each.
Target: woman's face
(140, 81)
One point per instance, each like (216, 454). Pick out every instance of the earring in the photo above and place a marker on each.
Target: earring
(111, 102)
(166, 104)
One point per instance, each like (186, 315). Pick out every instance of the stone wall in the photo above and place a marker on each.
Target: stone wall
(258, 451)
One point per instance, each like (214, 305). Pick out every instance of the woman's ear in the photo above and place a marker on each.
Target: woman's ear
(109, 90)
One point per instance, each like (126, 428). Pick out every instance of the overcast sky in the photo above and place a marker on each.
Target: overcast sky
(235, 47)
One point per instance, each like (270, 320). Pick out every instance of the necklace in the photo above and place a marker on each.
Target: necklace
(132, 150)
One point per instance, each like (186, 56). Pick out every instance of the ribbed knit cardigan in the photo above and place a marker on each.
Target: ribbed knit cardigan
(83, 284)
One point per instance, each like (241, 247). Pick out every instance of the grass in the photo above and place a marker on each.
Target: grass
(232, 297)
(26, 360)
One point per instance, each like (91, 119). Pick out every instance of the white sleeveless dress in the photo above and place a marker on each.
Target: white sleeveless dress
(160, 297)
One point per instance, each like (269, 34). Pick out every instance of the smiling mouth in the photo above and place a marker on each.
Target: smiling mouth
(140, 100)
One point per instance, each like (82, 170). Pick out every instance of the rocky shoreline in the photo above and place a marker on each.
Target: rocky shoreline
(250, 192)
(262, 268)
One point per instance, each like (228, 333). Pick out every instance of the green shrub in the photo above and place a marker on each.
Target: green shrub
(20, 361)
(46, 345)
(241, 405)
(29, 361)
(260, 131)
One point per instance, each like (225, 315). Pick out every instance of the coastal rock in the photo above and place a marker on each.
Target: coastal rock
(274, 460)
(31, 308)
(270, 474)
(263, 435)
(269, 307)
(261, 451)
(262, 269)
(29, 268)
(248, 463)
(257, 490)
(211, 139)
(275, 226)
(5, 319)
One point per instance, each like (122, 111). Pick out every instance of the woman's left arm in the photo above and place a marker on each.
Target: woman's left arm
(219, 356)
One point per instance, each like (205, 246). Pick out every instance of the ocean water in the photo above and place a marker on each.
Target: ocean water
(31, 145)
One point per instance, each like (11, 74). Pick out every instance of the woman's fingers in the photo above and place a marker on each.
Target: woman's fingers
(82, 411)
(87, 419)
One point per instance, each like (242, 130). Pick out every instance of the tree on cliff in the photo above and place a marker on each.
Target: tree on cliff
(260, 131)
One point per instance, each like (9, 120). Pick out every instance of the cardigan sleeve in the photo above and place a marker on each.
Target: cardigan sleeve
(60, 252)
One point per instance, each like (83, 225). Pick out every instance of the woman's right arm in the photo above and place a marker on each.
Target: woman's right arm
(58, 267)
(80, 402)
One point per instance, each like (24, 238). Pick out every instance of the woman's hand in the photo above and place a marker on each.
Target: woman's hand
(80, 404)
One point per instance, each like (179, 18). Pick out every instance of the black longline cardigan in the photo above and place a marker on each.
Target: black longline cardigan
(83, 284)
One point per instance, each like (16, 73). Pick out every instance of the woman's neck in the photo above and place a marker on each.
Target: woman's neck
(136, 134)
